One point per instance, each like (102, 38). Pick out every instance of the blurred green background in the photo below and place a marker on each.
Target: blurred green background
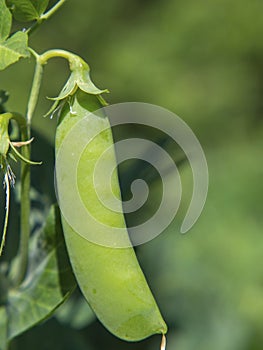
(203, 60)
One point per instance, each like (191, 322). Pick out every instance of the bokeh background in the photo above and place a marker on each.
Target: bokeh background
(203, 60)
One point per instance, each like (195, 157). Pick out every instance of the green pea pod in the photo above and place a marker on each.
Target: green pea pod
(110, 278)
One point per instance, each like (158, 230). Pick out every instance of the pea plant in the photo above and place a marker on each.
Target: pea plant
(50, 263)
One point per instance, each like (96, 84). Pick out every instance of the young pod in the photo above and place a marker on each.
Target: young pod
(110, 278)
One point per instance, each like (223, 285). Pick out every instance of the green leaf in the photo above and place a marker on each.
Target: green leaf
(49, 280)
(5, 20)
(28, 10)
(12, 49)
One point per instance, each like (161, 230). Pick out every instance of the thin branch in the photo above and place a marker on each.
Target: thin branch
(54, 9)
(26, 176)
(34, 93)
(45, 16)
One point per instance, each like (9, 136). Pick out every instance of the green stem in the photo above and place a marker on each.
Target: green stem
(45, 16)
(54, 9)
(24, 212)
(25, 176)
(34, 93)
(25, 215)
(71, 57)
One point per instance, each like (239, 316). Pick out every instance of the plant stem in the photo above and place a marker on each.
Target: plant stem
(25, 215)
(45, 16)
(34, 94)
(25, 176)
(50, 13)
(71, 57)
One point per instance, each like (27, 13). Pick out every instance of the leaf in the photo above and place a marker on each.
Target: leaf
(12, 49)
(5, 21)
(49, 280)
(28, 10)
